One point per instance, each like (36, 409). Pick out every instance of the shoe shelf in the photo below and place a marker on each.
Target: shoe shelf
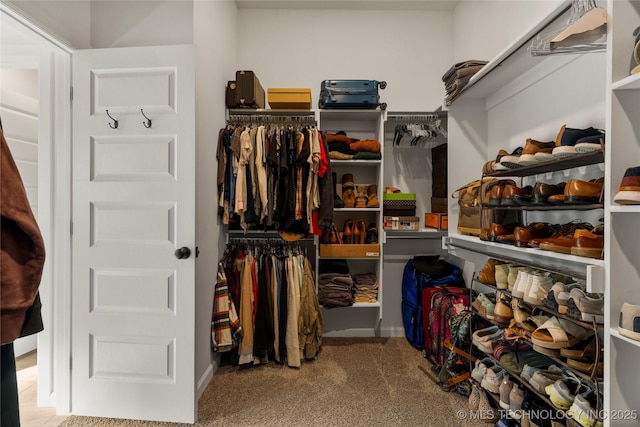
(590, 269)
(555, 165)
(615, 333)
(526, 384)
(585, 207)
(542, 308)
(357, 209)
(625, 209)
(631, 82)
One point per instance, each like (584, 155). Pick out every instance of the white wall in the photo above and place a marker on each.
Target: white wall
(483, 28)
(215, 62)
(69, 21)
(409, 49)
(141, 23)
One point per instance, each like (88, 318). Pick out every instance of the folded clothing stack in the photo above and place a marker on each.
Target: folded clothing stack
(366, 287)
(342, 147)
(457, 77)
(335, 290)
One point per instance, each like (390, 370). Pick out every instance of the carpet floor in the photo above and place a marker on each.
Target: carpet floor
(354, 382)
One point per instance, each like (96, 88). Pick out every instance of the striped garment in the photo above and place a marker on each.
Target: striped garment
(225, 325)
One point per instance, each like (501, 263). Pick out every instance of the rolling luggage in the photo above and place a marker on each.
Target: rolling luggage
(438, 307)
(421, 275)
(245, 91)
(351, 94)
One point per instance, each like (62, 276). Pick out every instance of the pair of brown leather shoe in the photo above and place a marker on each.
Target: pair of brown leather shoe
(562, 239)
(354, 233)
(578, 192)
(588, 243)
(330, 236)
(536, 230)
(497, 190)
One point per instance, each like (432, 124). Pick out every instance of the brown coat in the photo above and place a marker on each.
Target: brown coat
(22, 249)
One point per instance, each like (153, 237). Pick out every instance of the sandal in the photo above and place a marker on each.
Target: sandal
(584, 350)
(558, 333)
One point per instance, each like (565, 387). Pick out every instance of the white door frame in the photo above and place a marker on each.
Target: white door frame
(53, 61)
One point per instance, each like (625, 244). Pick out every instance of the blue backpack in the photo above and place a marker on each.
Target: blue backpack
(420, 273)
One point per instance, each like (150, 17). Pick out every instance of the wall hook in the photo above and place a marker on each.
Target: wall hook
(115, 122)
(146, 124)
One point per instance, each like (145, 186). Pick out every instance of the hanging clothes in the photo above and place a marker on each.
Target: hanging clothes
(278, 314)
(270, 175)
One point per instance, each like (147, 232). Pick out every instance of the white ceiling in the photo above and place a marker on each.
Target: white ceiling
(349, 4)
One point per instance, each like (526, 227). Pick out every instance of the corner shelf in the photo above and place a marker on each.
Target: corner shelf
(616, 333)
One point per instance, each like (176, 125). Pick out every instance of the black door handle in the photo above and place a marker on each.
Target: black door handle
(183, 253)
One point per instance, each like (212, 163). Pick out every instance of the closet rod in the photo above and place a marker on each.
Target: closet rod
(265, 118)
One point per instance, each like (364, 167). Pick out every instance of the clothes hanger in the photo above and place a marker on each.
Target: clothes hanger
(585, 31)
(591, 20)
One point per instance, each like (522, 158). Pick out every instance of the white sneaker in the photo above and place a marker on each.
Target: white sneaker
(538, 289)
(521, 284)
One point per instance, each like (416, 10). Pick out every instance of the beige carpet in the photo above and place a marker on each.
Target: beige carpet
(354, 382)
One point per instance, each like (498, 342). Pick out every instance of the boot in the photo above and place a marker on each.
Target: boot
(347, 233)
(362, 229)
(337, 201)
(348, 195)
(361, 196)
(372, 195)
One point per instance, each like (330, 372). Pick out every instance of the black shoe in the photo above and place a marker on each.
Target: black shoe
(372, 234)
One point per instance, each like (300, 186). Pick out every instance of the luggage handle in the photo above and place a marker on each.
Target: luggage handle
(347, 91)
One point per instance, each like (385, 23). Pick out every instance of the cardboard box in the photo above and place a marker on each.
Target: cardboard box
(439, 204)
(289, 98)
(439, 221)
(401, 223)
(367, 250)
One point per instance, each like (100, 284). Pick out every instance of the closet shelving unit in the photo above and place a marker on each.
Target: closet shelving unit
(622, 222)
(542, 93)
(362, 317)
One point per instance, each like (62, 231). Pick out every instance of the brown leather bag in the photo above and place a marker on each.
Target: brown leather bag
(472, 217)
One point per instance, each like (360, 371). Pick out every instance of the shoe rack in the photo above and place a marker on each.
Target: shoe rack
(518, 96)
(362, 318)
(622, 222)
(592, 379)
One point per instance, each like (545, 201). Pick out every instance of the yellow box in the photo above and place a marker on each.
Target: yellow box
(367, 250)
(289, 98)
(436, 220)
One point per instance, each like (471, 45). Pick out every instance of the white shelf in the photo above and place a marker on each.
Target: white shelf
(628, 83)
(357, 305)
(625, 209)
(422, 233)
(349, 114)
(357, 209)
(356, 162)
(615, 333)
(493, 76)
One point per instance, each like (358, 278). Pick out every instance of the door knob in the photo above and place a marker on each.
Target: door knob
(183, 253)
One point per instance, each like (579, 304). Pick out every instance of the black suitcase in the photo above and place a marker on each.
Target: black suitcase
(351, 94)
(245, 91)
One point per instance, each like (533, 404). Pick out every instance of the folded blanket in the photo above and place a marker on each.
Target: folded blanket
(369, 145)
(363, 155)
(460, 65)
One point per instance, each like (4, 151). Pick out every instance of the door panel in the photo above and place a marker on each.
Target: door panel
(134, 205)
